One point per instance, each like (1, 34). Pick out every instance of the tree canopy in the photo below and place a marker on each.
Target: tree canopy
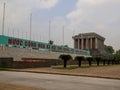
(117, 56)
(79, 58)
(65, 57)
(109, 49)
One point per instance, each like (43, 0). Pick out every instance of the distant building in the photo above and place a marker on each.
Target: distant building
(90, 41)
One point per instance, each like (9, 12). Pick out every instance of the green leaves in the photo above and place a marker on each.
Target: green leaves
(117, 56)
(109, 49)
(79, 58)
(65, 57)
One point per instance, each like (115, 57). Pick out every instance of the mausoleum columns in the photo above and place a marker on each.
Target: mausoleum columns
(78, 43)
(82, 41)
(96, 43)
(91, 43)
(86, 43)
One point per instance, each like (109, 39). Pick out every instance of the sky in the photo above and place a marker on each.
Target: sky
(71, 16)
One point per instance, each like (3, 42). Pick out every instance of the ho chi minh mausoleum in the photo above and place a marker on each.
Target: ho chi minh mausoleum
(90, 41)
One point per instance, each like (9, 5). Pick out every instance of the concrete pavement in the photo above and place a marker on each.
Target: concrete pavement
(58, 82)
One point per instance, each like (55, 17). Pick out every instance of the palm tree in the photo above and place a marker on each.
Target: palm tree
(65, 58)
(89, 59)
(98, 60)
(79, 59)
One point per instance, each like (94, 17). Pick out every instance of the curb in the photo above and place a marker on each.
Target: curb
(67, 74)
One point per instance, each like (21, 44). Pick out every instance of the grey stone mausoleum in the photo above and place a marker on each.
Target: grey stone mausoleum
(90, 41)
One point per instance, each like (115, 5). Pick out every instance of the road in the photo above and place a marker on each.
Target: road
(58, 82)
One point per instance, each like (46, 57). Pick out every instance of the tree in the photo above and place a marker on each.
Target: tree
(51, 42)
(118, 51)
(89, 59)
(108, 61)
(65, 58)
(117, 57)
(109, 49)
(104, 60)
(79, 59)
(98, 60)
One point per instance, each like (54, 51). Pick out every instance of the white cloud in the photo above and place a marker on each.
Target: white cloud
(83, 7)
(75, 14)
(48, 3)
(100, 16)
(18, 12)
(91, 2)
(31, 4)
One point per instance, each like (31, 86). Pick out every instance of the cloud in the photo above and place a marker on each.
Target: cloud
(48, 3)
(100, 16)
(83, 7)
(91, 2)
(40, 4)
(75, 14)
(18, 12)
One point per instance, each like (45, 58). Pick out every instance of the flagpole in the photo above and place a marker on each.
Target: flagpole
(30, 25)
(49, 30)
(49, 34)
(3, 24)
(63, 35)
(30, 28)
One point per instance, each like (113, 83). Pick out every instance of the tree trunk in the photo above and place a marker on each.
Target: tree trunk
(118, 62)
(79, 63)
(90, 63)
(65, 63)
(108, 62)
(104, 62)
(98, 62)
(112, 62)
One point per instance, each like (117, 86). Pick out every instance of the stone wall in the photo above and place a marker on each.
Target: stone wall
(9, 63)
(19, 53)
(30, 64)
(6, 62)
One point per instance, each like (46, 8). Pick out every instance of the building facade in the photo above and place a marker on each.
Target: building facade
(90, 41)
